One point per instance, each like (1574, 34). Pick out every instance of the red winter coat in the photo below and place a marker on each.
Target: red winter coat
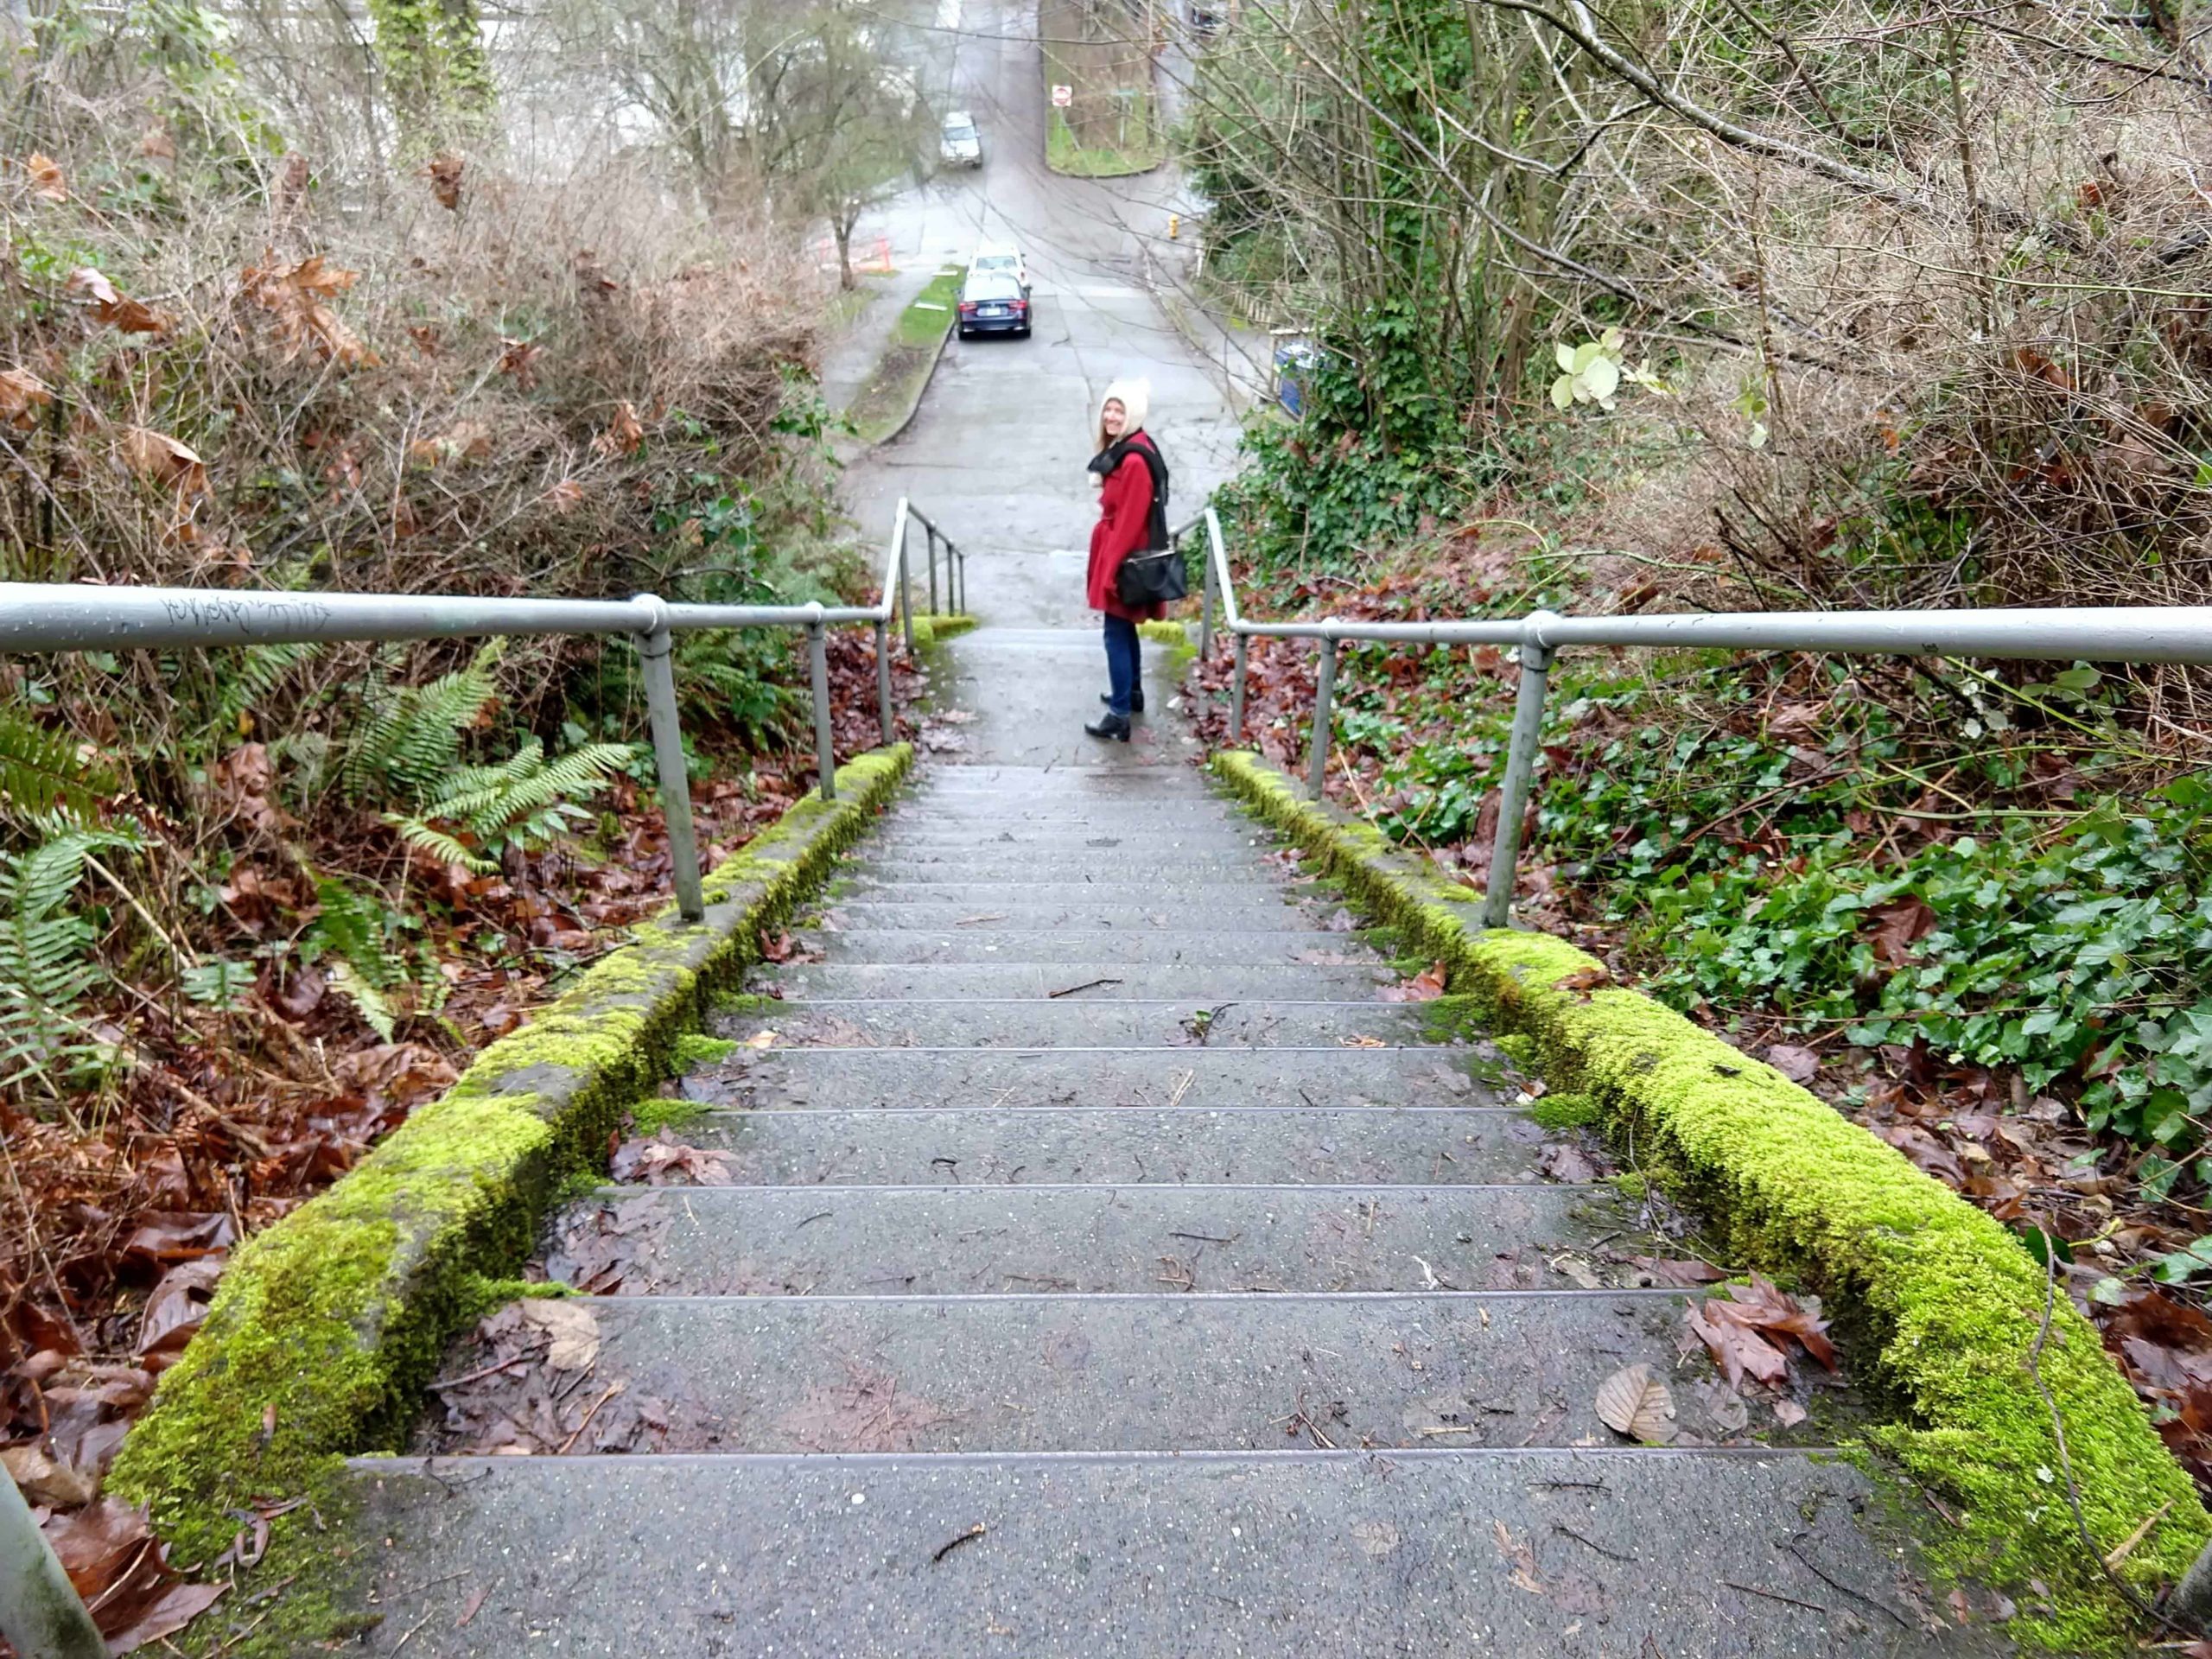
(1124, 522)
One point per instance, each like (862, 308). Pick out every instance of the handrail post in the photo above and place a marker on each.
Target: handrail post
(906, 584)
(1236, 690)
(930, 530)
(1520, 769)
(960, 568)
(39, 1609)
(883, 681)
(1209, 595)
(825, 758)
(1324, 692)
(656, 658)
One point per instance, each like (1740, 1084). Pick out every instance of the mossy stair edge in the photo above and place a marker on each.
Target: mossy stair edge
(1950, 1301)
(328, 1323)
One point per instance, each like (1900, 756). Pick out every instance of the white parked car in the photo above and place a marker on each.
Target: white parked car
(1000, 258)
(961, 145)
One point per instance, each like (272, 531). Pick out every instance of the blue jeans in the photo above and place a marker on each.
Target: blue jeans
(1124, 658)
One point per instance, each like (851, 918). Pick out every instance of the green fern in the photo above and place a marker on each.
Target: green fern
(40, 774)
(524, 801)
(247, 677)
(368, 997)
(47, 965)
(410, 740)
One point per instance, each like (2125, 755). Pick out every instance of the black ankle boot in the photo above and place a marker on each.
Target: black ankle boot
(1111, 725)
(1136, 702)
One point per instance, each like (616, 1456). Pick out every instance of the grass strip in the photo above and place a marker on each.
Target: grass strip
(1142, 153)
(328, 1324)
(887, 401)
(1944, 1305)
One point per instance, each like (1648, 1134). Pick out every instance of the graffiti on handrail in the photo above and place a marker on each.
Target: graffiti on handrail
(248, 613)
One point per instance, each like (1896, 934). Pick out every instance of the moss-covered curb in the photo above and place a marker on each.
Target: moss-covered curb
(328, 1324)
(936, 630)
(1948, 1301)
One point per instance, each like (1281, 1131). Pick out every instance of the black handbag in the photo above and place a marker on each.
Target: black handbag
(1155, 576)
(1151, 579)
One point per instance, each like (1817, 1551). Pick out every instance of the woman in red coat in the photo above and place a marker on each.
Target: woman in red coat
(1130, 495)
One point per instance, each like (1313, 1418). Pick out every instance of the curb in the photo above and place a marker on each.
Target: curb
(921, 391)
(1948, 1300)
(328, 1324)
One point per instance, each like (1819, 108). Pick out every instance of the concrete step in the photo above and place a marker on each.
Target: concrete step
(1303, 908)
(949, 819)
(983, 1146)
(995, 833)
(1115, 868)
(1030, 1373)
(886, 1241)
(896, 1078)
(1057, 785)
(1091, 982)
(1096, 944)
(1074, 1023)
(1328, 1555)
(1257, 911)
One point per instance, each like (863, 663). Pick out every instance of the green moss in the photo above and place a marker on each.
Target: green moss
(1948, 1299)
(1516, 1046)
(659, 1112)
(327, 1324)
(696, 1048)
(1167, 632)
(1630, 1184)
(1567, 1111)
(936, 630)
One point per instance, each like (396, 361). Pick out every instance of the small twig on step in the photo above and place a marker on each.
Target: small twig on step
(968, 1537)
(1590, 1543)
(1776, 1595)
(1088, 985)
(613, 1388)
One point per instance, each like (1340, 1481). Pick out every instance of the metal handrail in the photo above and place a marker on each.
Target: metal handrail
(2119, 634)
(85, 616)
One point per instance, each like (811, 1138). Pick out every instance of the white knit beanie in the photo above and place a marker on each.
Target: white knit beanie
(1135, 399)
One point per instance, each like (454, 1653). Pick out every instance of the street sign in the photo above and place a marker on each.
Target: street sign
(1061, 97)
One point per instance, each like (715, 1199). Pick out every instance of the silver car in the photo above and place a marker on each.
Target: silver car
(961, 144)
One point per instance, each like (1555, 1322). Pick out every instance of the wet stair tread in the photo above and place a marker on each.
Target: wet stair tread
(1104, 947)
(1089, 981)
(1074, 1022)
(822, 1240)
(1062, 1145)
(966, 1077)
(1341, 1554)
(1092, 1373)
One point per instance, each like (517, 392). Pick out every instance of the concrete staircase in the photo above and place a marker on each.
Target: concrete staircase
(1110, 1271)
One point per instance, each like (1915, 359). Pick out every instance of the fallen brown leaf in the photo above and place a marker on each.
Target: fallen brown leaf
(1798, 1064)
(573, 1327)
(45, 1479)
(443, 171)
(108, 306)
(1634, 1402)
(160, 459)
(1424, 987)
(1583, 981)
(47, 182)
(23, 395)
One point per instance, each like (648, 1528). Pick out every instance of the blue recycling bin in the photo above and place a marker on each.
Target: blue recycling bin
(1294, 360)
